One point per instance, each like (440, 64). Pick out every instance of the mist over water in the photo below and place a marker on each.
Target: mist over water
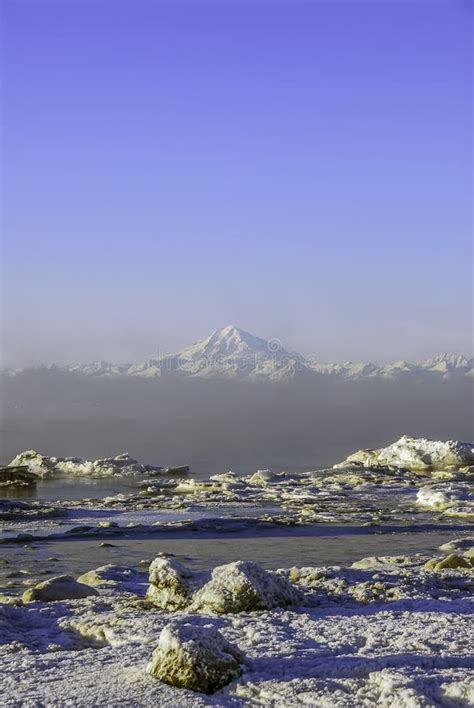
(216, 426)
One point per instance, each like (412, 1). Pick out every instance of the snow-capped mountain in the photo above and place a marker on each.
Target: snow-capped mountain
(232, 353)
(446, 366)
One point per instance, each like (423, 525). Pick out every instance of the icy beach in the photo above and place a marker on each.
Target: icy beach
(345, 586)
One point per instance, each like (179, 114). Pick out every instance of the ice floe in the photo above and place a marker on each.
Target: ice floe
(62, 587)
(415, 454)
(45, 466)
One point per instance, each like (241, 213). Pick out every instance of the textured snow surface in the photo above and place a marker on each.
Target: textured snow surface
(344, 644)
(232, 353)
(415, 454)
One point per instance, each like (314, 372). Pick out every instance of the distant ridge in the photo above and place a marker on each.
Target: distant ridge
(232, 353)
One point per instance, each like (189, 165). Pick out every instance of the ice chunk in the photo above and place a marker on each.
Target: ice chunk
(46, 466)
(170, 584)
(194, 657)
(415, 454)
(61, 587)
(244, 586)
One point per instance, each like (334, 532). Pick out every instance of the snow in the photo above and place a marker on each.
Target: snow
(233, 353)
(453, 499)
(336, 647)
(363, 490)
(391, 630)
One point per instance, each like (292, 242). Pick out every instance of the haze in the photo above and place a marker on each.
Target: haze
(299, 168)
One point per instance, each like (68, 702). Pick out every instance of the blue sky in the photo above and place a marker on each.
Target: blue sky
(301, 169)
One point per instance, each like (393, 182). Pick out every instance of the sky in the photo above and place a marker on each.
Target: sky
(301, 169)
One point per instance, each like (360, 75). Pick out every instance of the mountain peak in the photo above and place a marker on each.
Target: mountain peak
(228, 341)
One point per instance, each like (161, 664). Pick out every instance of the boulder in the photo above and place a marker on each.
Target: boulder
(451, 561)
(244, 586)
(241, 586)
(194, 657)
(110, 575)
(381, 562)
(459, 544)
(170, 584)
(61, 587)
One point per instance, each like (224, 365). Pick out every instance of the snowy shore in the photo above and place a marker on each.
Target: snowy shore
(392, 629)
(387, 632)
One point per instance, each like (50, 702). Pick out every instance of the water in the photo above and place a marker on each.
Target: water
(301, 547)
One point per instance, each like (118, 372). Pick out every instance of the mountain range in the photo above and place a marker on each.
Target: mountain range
(231, 353)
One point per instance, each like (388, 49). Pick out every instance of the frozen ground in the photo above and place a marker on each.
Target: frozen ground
(395, 636)
(388, 631)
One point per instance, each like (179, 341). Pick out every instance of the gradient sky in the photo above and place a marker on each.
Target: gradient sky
(300, 169)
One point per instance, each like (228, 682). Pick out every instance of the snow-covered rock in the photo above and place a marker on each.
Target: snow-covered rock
(452, 561)
(61, 587)
(382, 562)
(462, 545)
(194, 657)
(171, 584)
(111, 576)
(418, 454)
(46, 466)
(244, 586)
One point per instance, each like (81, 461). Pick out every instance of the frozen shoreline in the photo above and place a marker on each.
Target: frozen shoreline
(338, 645)
(390, 630)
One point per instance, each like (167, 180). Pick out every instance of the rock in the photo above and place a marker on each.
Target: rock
(61, 587)
(194, 657)
(459, 544)
(244, 586)
(79, 530)
(110, 575)
(182, 469)
(170, 584)
(381, 562)
(17, 476)
(451, 561)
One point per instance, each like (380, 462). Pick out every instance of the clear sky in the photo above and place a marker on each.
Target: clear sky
(298, 168)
